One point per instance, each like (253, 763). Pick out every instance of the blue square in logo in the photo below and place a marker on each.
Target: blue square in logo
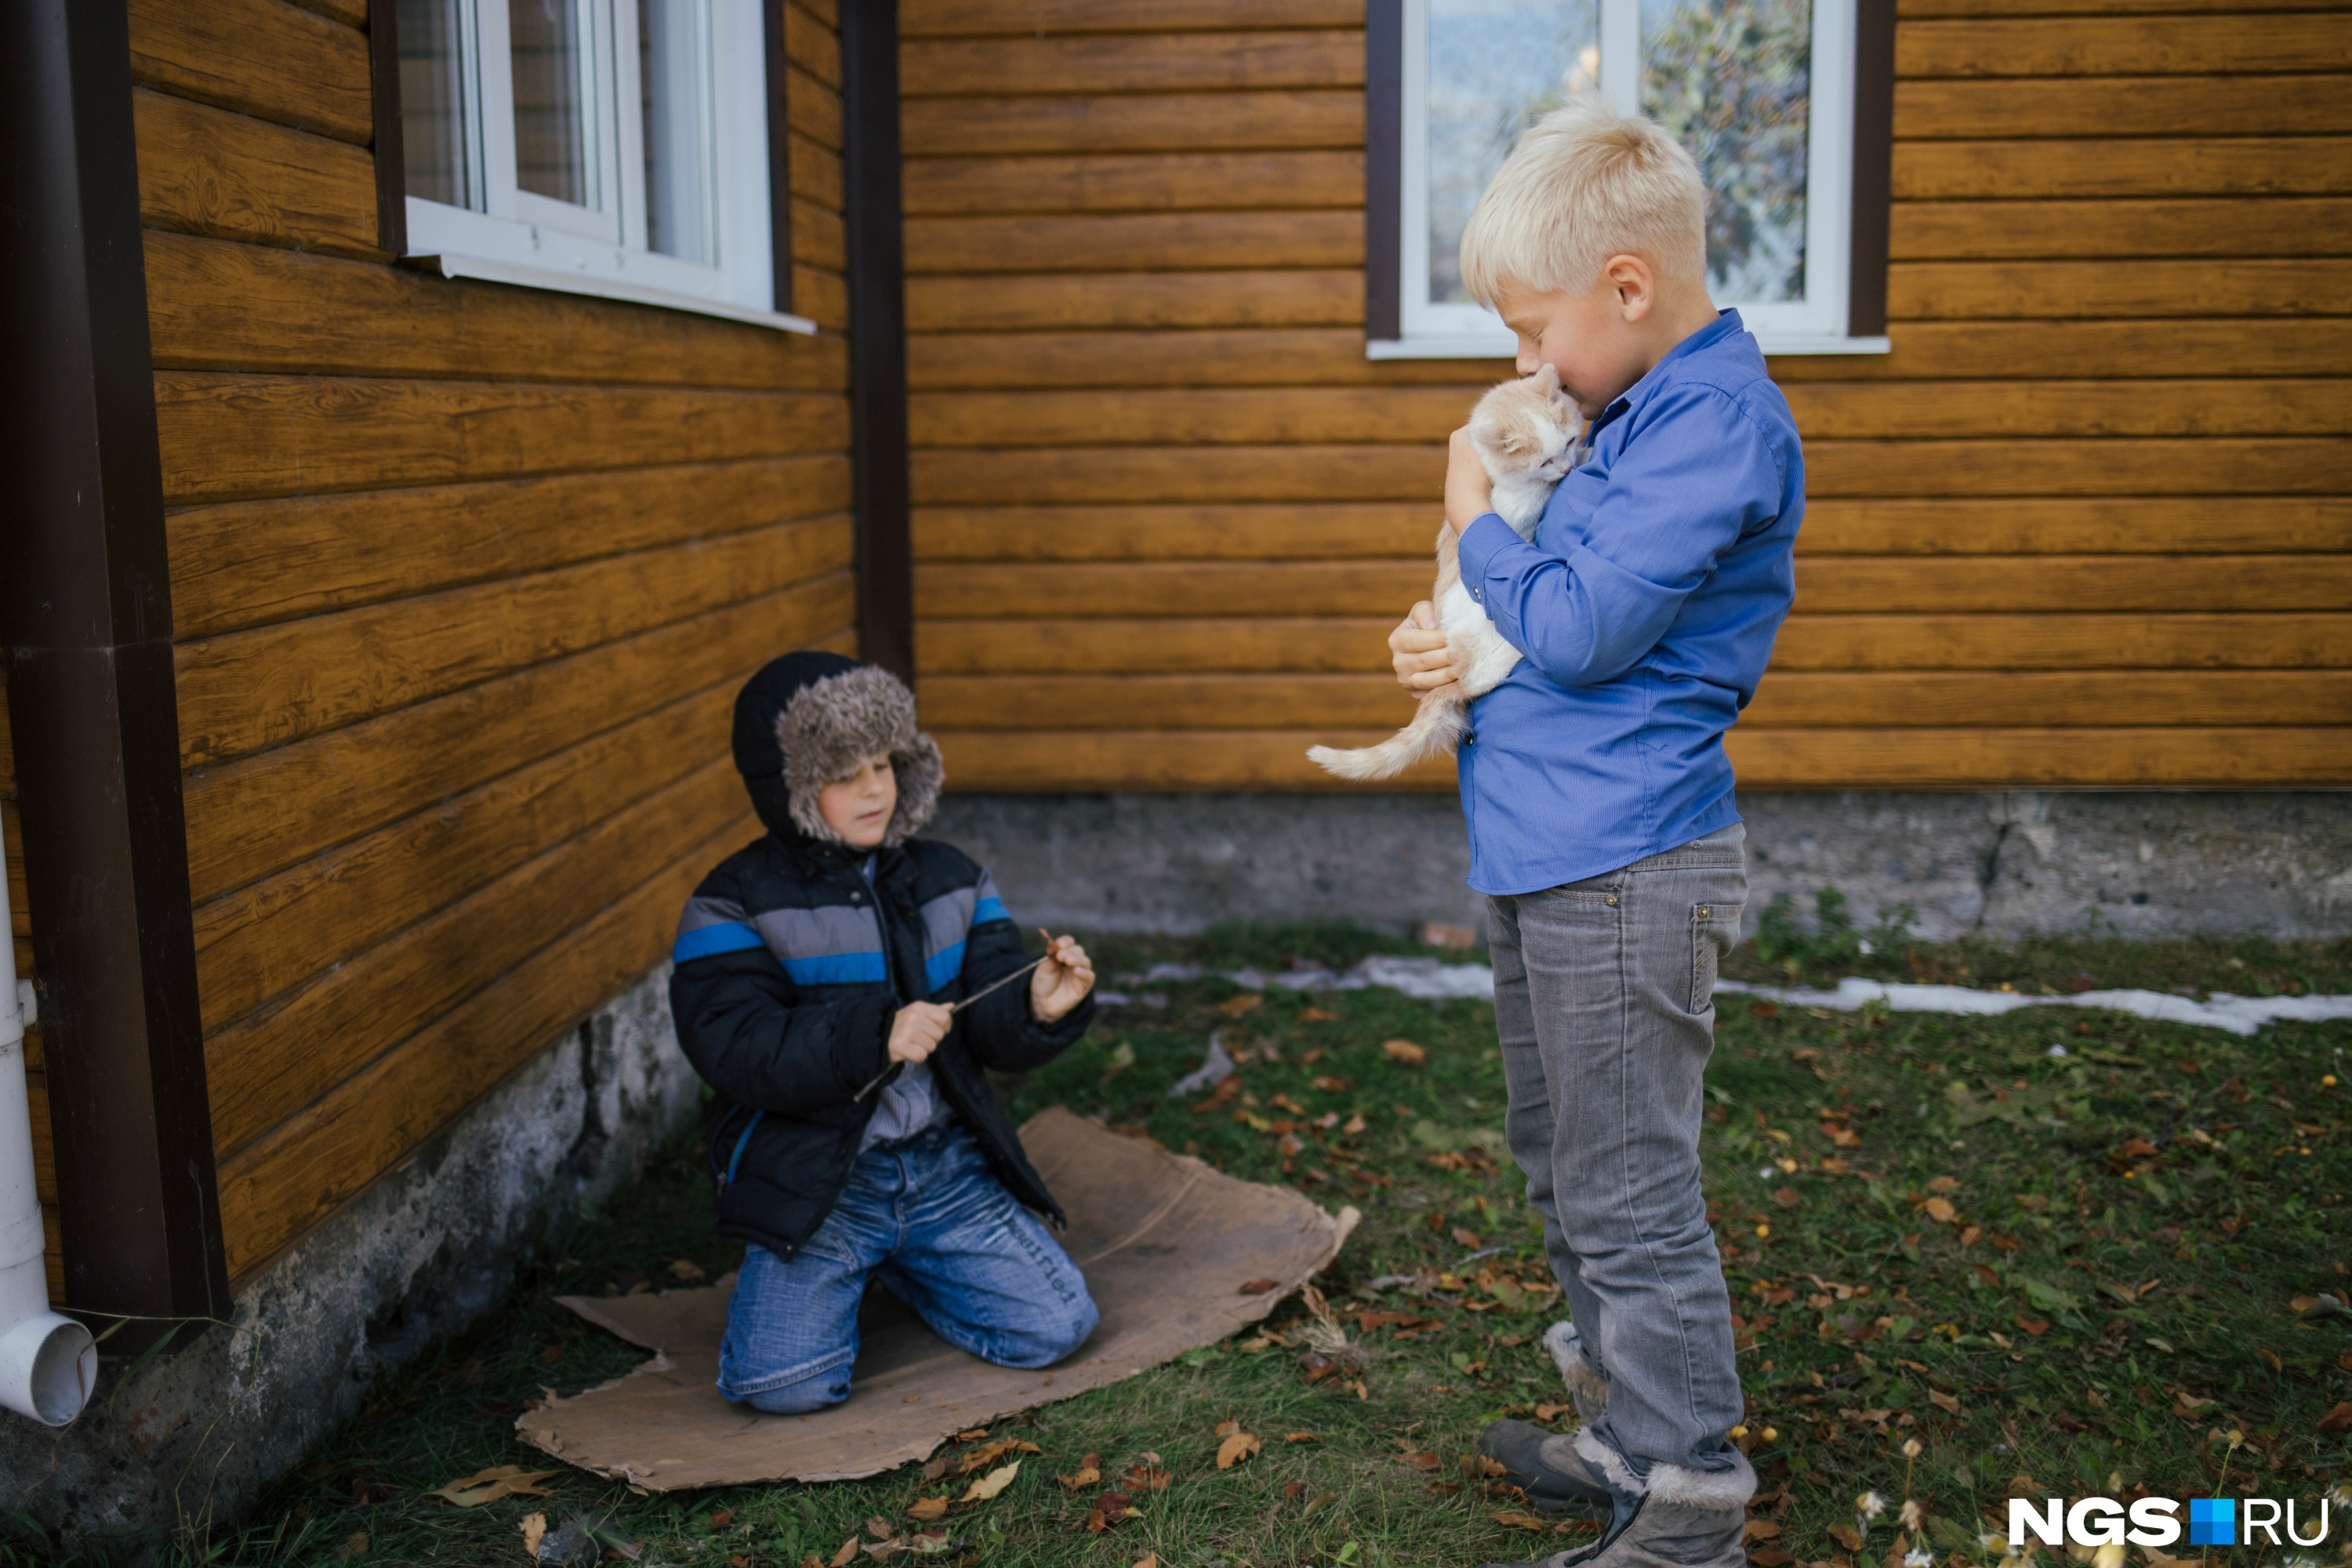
(2212, 1521)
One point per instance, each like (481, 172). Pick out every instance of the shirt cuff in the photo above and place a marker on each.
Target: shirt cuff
(1486, 534)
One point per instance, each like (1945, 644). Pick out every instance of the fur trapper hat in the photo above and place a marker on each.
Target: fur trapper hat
(808, 719)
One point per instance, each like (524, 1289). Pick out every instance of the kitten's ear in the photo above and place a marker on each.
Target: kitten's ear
(1547, 377)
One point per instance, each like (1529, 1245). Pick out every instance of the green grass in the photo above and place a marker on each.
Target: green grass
(2096, 1314)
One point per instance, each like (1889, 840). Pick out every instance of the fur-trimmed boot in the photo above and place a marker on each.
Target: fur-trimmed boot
(1587, 1387)
(1672, 1518)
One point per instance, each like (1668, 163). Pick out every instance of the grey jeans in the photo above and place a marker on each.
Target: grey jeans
(1604, 1000)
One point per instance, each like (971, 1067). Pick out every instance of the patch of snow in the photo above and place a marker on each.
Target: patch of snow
(1215, 1068)
(2237, 1014)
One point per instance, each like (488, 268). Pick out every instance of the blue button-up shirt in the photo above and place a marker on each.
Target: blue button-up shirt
(1647, 608)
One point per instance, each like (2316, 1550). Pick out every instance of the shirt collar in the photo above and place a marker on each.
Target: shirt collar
(1725, 324)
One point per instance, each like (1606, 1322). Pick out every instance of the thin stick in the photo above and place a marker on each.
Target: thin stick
(876, 1082)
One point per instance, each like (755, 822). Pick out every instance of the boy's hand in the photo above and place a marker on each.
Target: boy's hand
(1469, 493)
(1417, 650)
(918, 1030)
(1062, 982)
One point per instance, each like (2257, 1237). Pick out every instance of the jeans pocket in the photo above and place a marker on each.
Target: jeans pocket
(1715, 932)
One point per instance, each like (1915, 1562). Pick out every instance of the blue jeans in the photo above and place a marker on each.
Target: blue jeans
(1604, 1000)
(928, 1219)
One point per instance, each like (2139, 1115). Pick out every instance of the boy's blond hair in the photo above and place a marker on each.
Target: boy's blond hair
(1583, 184)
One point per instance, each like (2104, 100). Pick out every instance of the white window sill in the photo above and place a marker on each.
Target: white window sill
(527, 277)
(1482, 345)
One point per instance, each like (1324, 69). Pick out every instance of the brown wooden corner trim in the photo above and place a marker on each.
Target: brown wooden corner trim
(875, 236)
(391, 149)
(86, 620)
(1384, 169)
(1874, 168)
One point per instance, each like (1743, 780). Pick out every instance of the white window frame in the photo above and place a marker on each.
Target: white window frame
(522, 238)
(1817, 324)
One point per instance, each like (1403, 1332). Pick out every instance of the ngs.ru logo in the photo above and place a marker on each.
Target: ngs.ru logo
(2155, 1521)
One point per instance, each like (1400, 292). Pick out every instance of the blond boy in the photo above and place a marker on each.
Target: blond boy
(1599, 801)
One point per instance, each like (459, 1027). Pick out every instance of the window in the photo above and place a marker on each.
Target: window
(1764, 93)
(610, 147)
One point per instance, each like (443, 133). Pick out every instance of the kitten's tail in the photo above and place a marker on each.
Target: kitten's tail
(1436, 728)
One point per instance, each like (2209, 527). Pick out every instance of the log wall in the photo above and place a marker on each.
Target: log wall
(464, 579)
(2090, 523)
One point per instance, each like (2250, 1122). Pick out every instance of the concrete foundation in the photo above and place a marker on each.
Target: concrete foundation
(194, 1436)
(2143, 863)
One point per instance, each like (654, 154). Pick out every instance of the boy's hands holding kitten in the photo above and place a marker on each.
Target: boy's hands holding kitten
(1417, 648)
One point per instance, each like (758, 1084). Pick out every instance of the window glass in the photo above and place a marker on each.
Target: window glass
(550, 105)
(1731, 81)
(674, 72)
(1495, 67)
(437, 111)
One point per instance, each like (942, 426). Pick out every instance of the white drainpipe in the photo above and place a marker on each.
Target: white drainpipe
(48, 1363)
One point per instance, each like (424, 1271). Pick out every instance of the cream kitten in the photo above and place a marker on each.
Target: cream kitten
(1525, 433)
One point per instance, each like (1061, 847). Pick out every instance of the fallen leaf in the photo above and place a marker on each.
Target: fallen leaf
(989, 1485)
(1469, 1238)
(1762, 1529)
(1548, 1411)
(1769, 1557)
(880, 1529)
(1424, 1461)
(1320, 1500)
(489, 1485)
(1941, 1211)
(1519, 1520)
(354, 1546)
(929, 1508)
(2338, 1417)
(848, 1552)
(1943, 1400)
(1405, 1051)
(1089, 1474)
(686, 1270)
(2269, 1359)
(1317, 1015)
(1788, 1197)
(1150, 1560)
(1258, 1286)
(1146, 1479)
(1943, 1184)
(534, 1530)
(2037, 1327)
(1248, 1002)
(1300, 1438)
(722, 1519)
(1237, 1448)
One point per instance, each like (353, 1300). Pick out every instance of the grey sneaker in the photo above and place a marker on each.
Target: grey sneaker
(1546, 1467)
(1587, 1387)
(1678, 1518)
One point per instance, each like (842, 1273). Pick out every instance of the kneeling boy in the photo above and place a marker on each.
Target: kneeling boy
(853, 1133)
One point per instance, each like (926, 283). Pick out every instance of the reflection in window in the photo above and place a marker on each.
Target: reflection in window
(436, 110)
(674, 72)
(1731, 81)
(1495, 67)
(551, 76)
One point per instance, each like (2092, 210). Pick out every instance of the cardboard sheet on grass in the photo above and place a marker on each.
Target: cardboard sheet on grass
(1166, 1244)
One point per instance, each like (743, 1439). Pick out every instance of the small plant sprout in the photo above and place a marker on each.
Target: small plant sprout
(1912, 1515)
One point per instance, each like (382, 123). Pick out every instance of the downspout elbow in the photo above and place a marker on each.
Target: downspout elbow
(49, 1362)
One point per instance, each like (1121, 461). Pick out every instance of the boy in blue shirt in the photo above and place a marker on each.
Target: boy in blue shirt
(1599, 801)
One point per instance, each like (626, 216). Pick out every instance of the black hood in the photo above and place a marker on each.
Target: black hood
(809, 718)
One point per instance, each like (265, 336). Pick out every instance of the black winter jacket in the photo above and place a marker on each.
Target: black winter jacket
(787, 977)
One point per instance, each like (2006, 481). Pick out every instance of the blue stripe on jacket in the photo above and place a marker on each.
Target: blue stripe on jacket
(727, 936)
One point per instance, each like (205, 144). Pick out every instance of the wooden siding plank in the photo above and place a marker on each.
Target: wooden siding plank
(941, 68)
(1250, 298)
(820, 238)
(1131, 183)
(813, 46)
(2158, 166)
(1323, 357)
(352, 781)
(351, 12)
(246, 564)
(309, 1166)
(1764, 759)
(2250, 225)
(816, 171)
(2122, 46)
(1934, 527)
(2095, 699)
(1304, 414)
(812, 108)
(1142, 241)
(215, 305)
(244, 691)
(822, 296)
(2062, 584)
(2124, 106)
(264, 57)
(265, 939)
(2132, 641)
(957, 18)
(234, 436)
(1136, 123)
(1398, 472)
(207, 171)
(1960, 289)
